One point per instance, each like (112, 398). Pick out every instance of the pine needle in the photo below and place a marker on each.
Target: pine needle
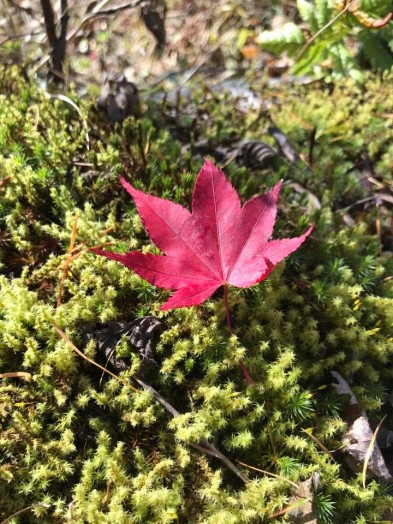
(319, 443)
(68, 260)
(268, 473)
(289, 508)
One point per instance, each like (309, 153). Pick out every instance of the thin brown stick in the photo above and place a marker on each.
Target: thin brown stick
(378, 227)
(173, 411)
(74, 252)
(16, 374)
(98, 246)
(203, 445)
(28, 508)
(83, 245)
(287, 509)
(319, 443)
(68, 260)
(209, 449)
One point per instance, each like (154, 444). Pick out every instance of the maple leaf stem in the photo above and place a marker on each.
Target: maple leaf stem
(227, 310)
(228, 313)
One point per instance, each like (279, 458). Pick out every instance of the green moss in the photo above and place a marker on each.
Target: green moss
(81, 447)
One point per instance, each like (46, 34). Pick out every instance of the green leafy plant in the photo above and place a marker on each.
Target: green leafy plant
(336, 36)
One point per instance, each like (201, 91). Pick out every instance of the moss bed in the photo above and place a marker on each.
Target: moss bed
(79, 447)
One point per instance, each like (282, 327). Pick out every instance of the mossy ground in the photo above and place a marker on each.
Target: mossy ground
(78, 448)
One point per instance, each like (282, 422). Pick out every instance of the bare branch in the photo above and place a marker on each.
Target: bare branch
(50, 24)
(59, 51)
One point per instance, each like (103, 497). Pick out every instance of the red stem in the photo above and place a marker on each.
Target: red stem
(226, 301)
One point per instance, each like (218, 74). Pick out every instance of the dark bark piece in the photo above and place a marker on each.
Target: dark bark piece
(119, 98)
(255, 155)
(142, 334)
(251, 154)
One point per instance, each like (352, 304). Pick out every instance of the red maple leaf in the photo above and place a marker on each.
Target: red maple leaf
(219, 243)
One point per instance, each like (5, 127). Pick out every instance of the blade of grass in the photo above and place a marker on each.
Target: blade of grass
(370, 448)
